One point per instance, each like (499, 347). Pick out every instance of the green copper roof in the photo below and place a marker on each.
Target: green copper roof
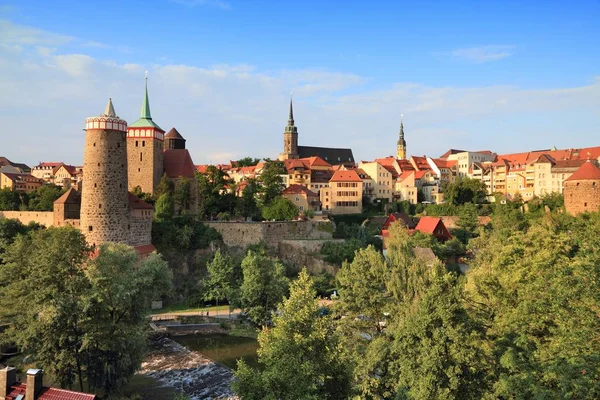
(146, 118)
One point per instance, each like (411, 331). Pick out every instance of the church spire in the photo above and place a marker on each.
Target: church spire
(401, 145)
(291, 116)
(146, 104)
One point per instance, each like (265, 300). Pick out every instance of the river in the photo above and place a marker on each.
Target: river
(223, 349)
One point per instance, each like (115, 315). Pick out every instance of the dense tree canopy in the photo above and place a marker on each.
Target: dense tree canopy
(465, 190)
(300, 355)
(279, 209)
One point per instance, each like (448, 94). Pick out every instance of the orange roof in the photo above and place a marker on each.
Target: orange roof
(298, 189)
(345, 176)
(201, 168)
(296, 163)
(588, 171)
(317, 161)
(48, 394)
(71, 196)
(420, 174)
(428, 224)
(50, 164)
(405, 175)
(178, 162)
(405, 165)
(440, 163)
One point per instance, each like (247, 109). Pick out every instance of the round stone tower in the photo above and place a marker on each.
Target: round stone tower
(104, 198)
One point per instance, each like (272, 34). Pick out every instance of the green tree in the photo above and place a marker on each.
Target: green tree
(271, 181)
(117, 306)
(165, 207)
(44, 197)
(338, 252)
(213, 194)
(280, 209)
(263, 287)
(246, 162)
(165, 186)
(437, 347)
(182, 194)
(221, 281)
(42, 284)
(467, 223)
(465, 190)
(246, 205)
(9, 200)
(301, 355)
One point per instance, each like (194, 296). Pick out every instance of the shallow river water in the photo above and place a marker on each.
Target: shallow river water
(222, 348)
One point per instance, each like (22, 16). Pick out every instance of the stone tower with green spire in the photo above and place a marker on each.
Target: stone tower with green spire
(290, 137)
(145, 142)
(401, 145)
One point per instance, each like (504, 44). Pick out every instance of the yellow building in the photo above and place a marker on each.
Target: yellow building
(405, 188)
(23, 183)
(549, 174)
(344, 194)
(302, 197)
(382, 180)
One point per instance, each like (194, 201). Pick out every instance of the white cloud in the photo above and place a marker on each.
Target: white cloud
(13, 34)
(484, 54)
(211, 3)
(230, 111)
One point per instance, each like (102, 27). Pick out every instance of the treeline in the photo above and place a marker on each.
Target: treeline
(41, 199)
(82, 317)
(523, 322)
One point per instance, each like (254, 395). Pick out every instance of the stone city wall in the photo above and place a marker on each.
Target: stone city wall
(45, 218)
(242, 234)
(141, 229)
(305, 253)
(582, 196)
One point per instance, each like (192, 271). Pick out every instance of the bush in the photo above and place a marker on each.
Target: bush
(338, 252)
(182, 233)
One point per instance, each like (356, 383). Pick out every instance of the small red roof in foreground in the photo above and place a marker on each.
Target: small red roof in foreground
(50, 394)
(428, 224)
(587, 171)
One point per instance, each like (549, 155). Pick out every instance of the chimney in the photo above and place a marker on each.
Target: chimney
(34, 384)
(8, 377)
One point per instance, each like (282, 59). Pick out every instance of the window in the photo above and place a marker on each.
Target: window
(297, 198)
(143, 143)
(141, 154)
(90, 228)
(136, 143)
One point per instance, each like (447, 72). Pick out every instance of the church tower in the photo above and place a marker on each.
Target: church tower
(104, 197)
(290, 138)
(401, 146)
(145, 150)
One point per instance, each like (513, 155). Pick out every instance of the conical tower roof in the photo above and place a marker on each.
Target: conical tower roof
(587, 171)
(109, 111)
(145, 120)
(173, 134)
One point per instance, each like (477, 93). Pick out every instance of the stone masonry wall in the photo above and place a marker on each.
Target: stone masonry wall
(104, 198)
(144, 163)
(305, 253)
(45, 218)
(582, 196)
(141, 228)
(242, 234)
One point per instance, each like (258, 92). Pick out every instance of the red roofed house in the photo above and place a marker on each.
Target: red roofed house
(382, 178)
(33, 389)
(44, 170)
(433, 226)
(404, 218)
(302, 197)
(66, 175)
(405, 188)
(344, 194)
(582, 190)
(23, 183)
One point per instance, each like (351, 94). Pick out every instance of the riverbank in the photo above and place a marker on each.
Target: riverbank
(188, 371)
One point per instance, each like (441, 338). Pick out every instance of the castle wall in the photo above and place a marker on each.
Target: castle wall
(141, 227)
(242, 234)
(582, 196)
(45, 218)
(105, 202)
(144, 162)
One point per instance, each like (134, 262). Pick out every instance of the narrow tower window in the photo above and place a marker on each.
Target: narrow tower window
(90, 228)
(143, 143)
(141, 156)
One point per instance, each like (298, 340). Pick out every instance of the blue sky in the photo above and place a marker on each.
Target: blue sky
(506, 76)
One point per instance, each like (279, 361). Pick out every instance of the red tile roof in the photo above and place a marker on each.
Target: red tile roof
(178, 162)
(71, 196)
(428, 224)
(71, 169)
(318, 161)
(420, 174)
(50, 394)
(588, 171)
(405, 175)
(345, 176)
(299, 189)
(145, 249)
(135, 203)
(173, 134)
(50, 164)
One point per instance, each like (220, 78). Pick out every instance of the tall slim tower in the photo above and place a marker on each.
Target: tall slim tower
(145, 150)
(104, 197)
(290, 137)
(401, 146)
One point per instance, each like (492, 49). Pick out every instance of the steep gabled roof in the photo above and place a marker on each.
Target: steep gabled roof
(135, 203)
(71, 196)
(178, 162)
(173, 134)
(299, 189)
(333, 156)
(428, 224)
(345, 176)
(588, 171)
